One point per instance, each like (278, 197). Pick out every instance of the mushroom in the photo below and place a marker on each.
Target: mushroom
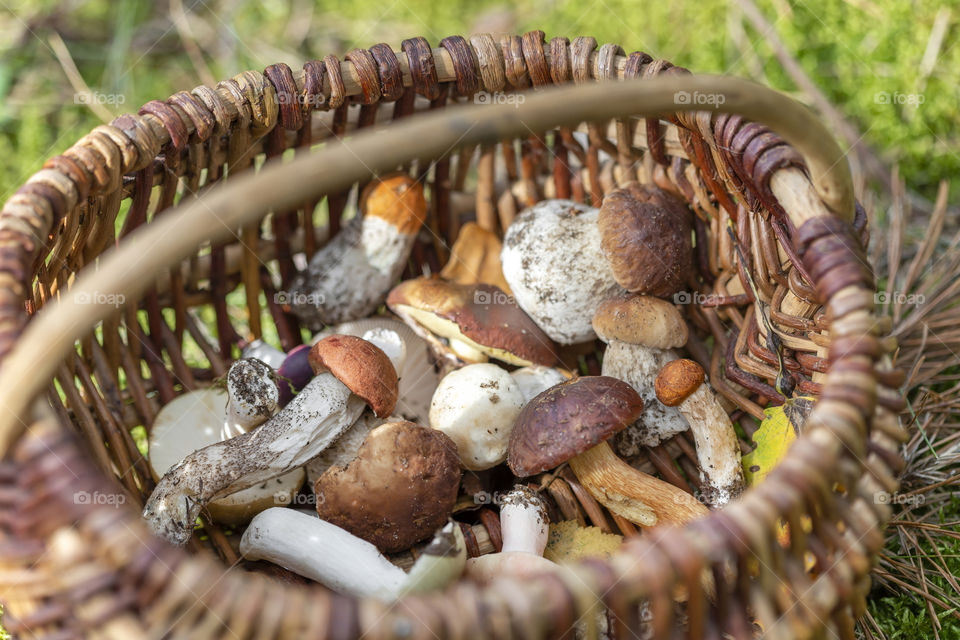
(553, 261)
(682, 384)
(351, 374)
(418, 377)
(199, 418)
(347, 564)
(571, 423)
(350, 276)
(477, 406)
(475, 258)
(477, 321)
(524, 527)
(252, 394)
(265, 352)
(640, 332)
(399, 488)
(647, 238)
(534, 380)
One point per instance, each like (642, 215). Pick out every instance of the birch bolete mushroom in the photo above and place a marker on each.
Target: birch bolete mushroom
(553, 262)
(525, 528)
(477, 406)
(401, 486)
(571, 423)
(350, 276)
(350, 374)
(640, 332)
(199, 418)
(478, 321)
(647, 238)
(682, 384)
(341, 561)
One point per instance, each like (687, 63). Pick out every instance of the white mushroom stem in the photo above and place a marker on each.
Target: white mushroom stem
(638, 365)
(345, 563)
(323, 410)
(525, 528)
(253, 396)
(718, 450)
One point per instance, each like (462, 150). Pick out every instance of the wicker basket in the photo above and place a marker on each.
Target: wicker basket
(787, 306)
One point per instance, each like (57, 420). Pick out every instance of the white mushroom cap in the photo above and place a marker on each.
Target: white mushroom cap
(535, 379)
(193, 421)
(553, 262)
(476, 406)
(264, 351)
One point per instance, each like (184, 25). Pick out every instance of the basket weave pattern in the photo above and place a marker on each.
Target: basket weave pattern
(787, 299)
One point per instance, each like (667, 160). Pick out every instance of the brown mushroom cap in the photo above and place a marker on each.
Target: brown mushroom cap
(400, 488)
(646, 236)
(398, 199)
(638, 319)
(481, 315)
(568, 419)
(361, 366)
(677, 380)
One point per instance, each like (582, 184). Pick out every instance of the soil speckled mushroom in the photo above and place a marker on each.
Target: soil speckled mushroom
(330, 403)
(253, 396)
(641, 333)
(417, 375)
(401, 486)
(341, 561)
(553, 261)
(476, 406)
(646, 236)
(478, 321)
(350, 276)
(525, 527)
(571, 423)
(197, 419)
(682, 384)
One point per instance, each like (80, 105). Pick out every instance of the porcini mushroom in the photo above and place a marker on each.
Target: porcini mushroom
(641, 333)
(571, 423)
(534, 380)
(682, 384)
(554, 264)
(475, 258)
(347, 564)
(646, 236)
(478, 321)
(199, 418)
(524, 527)
(351, 374)
(477, 406)
(399, 488)
(350, 276)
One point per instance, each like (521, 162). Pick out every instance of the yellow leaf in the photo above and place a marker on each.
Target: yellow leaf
(777, 431)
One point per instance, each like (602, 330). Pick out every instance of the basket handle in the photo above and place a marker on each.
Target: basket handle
(130, 269)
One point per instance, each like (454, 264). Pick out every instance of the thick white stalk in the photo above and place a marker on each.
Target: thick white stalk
(718, 450)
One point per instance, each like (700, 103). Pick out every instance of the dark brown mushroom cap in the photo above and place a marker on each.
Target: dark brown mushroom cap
(400, 488)
(568, 419)
(483, 313)
(646, 236)
(361, 366)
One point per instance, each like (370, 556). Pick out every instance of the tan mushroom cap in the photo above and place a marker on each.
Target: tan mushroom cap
(479, 315)
(475, 257)
(361, 366)
(398, 199)
(678, 380)
(400, 488)
(643, 320)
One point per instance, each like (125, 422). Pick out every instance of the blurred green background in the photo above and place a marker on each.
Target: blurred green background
(890, 67)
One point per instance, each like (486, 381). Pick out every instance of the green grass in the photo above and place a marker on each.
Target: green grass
(855, 51)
